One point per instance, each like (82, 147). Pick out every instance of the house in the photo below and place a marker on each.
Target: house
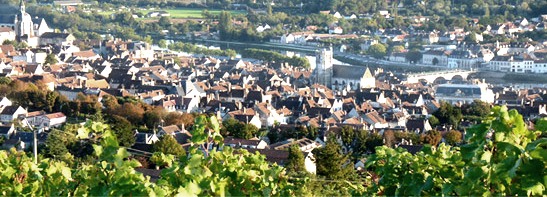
(10, 113)
(158, 14)
(365, 45)
(6, 33)
(170, 130)
(280, 157)
(25, 140)
(520, 64)
(5, 102)
(540, 66)
(337, 15)
(51, 38)
(397, 57)
(261, 28)
(187, 104)
(336, 30)
(352, 16)
(34, 69)
(435, 57)
(52, 120)
(40, 26)
(243, 143)
(287, 39)
(7, 130)
(88, 55)
(418, 125)
(384, 13)
(375, 120)
(304, 144)
(146, 138)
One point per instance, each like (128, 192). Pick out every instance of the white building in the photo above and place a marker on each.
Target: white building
(463, 93)
(10, 113)
(51, 120)
(540, 66)
(6, 33)
(435, 57)
(513, 64)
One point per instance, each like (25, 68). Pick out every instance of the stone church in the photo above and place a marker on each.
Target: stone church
(339, 77)
(26, 27)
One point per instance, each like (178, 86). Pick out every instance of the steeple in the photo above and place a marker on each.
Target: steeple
(22, 6)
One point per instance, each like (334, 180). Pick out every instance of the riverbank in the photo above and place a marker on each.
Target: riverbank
(511, 79)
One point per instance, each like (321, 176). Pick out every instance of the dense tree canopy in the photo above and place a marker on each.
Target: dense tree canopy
(377, 51)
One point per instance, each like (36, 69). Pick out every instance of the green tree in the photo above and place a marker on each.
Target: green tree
(5, 80)
(397, 49)
(413, 56)
(377, 51)
(230, 126)
(225, 25)
(51, 59)
(433, 121)
(237, 129)
(222, 172)
(330, 161)
(169, 145)
(501, 158)
(162, 160)
(162, 43)
(435, 61)
(478, 108)
(432, 137)
(165, 22)
(148, 39)
(347, 135)
(448, 114)
(247, 132)
(295, 162)
(123, 130)
(453, 137)
(59, 143)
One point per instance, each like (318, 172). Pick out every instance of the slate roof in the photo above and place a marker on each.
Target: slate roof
(231, 140)
(412, 149)
(4, 129)
(348, 72)
(273, 156)
(183, 137)
(414, 124)
(54, 35)
(9, 110)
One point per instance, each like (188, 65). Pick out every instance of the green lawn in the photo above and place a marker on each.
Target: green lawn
(183, 12)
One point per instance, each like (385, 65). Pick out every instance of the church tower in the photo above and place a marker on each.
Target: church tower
(323, 68)
(23, 24)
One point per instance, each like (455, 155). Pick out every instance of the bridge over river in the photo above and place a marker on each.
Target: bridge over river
(438, 76)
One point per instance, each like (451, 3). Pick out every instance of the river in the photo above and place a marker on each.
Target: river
(349, 59)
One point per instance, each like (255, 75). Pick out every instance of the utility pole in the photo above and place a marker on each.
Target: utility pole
(35, 147)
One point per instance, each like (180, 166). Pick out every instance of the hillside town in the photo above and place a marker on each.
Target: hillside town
(274, 97)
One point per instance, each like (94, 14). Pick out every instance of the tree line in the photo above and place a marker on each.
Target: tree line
(270, 56)
(501, 157)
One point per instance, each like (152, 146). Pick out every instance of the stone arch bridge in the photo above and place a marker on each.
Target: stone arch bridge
(438, 76)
